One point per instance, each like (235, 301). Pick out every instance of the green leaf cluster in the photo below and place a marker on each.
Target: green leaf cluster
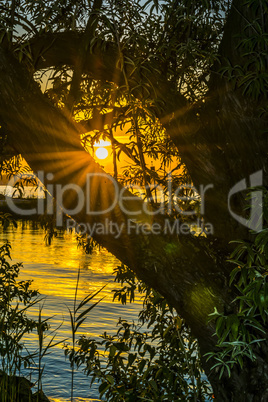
(242, 331)
(16, 297)
(250, 75)
(156, 359)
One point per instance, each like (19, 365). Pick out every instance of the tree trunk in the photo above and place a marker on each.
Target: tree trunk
(247, 385)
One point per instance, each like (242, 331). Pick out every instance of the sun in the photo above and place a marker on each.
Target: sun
(101, 153)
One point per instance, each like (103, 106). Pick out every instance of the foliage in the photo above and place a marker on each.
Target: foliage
(178, 40)
(157, 359)
(241, 331)
(16, 298)
(44, 346)
(251, 75)
(6, 219)
(88, 244)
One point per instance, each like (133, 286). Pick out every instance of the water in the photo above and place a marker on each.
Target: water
(54, 271)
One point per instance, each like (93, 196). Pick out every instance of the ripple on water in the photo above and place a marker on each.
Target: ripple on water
(54, 271)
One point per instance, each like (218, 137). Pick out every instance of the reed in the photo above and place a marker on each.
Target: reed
(78, 315)
(44, 348)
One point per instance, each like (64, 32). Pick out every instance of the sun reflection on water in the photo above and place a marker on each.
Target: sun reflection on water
(54, 271)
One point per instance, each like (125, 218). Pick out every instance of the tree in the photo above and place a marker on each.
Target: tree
(180, 64)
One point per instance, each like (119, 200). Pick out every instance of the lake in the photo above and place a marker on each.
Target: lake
(54, 271)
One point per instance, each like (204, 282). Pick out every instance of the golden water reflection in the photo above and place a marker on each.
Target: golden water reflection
(54, 271)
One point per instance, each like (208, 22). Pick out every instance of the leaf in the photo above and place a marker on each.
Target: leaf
(87, 310)
(142, 365)
(113, 350)
(235, 327)
(103, 388)
(88, 298)
(153, 385)
(79, 323)
(131, 358)
(110, 379)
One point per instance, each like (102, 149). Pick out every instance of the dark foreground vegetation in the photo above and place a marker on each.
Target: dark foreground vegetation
(16, 297)
(157, 358)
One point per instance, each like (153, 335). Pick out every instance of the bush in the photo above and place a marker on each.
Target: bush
(155, 360)
(15, 299)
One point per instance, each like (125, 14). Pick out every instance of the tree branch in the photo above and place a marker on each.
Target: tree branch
(49, 141)
(81, 59)
(203, 133)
